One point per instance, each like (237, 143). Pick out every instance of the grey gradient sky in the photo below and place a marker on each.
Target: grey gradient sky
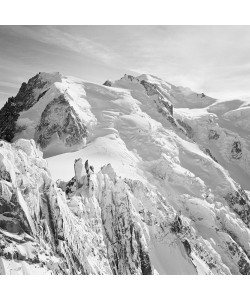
(210, 59)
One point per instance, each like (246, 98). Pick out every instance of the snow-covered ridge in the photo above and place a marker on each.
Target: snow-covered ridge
(104, 224)
(167, 190)
(43, 232)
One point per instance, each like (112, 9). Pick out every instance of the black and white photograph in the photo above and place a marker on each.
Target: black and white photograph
(124, 149)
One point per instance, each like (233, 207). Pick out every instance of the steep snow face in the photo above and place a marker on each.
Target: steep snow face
(60, 112)
(95, 229)
(28, 95)
(100, 223)
(239, 117)
(179, 96)
(45, 109)
(170, 199)
(224, 135)
(39, 233)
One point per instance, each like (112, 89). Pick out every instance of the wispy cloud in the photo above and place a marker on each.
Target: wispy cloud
(72, 42)
(210, 59)
(3, 93)
(9, 84)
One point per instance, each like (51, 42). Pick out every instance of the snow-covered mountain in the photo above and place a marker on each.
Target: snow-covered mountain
(139, 177)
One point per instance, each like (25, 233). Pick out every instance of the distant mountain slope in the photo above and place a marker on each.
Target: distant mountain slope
(172, 197)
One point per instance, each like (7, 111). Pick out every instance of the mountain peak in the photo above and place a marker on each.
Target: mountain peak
(150, 179)
(50, 77)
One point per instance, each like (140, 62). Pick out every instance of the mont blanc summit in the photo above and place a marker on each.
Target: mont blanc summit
(133, 176)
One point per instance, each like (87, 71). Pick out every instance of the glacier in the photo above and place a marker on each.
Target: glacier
(135, 176)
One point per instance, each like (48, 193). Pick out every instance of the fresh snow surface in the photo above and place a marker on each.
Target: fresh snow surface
(195, 173)
(140, 144)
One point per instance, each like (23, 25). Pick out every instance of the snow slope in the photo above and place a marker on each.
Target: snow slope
(171, 198)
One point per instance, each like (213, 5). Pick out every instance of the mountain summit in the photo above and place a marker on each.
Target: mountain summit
(139, 177)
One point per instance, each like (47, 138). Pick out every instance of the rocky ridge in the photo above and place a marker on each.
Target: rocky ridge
(150, 192)
(102, 224)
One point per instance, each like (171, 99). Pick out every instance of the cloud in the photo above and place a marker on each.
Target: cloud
(61, 38)
(209, 59)
(9, 84)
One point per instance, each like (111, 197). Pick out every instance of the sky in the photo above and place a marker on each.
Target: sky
(210, 59)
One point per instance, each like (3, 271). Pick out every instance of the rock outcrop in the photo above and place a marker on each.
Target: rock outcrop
(61, 119)
(95, 231)
(29, 94)
(102, 224)
(43, 110)
(153, 181)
